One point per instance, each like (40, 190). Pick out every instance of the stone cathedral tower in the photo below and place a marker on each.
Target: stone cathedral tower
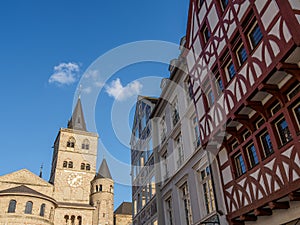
(74, 174)
(76, 194)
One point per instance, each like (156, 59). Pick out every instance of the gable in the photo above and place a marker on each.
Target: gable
(23, 176)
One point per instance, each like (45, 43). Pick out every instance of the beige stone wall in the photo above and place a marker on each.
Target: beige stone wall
(25, 177)
(122, 219)
(64, 192)
(19, 217)
(60, 213)
(103, 201)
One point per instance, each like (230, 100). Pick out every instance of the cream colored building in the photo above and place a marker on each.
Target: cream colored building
(123, 214)
(76, 193)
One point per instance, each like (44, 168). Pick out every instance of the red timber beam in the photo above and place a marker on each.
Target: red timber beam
(273, 90)
(233, 132)
(290, 68)
(279, 205)
(263, 212)
(258, 107)
(237, 222)
(244, 119)
(248, 217)
(294, 196)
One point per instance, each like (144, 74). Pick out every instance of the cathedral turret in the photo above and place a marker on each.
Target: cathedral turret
(102, 196)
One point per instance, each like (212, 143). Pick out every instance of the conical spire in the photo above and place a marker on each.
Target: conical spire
(77, 121)
(103, 171)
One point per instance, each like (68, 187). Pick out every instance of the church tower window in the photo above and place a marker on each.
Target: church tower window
(70, 165)
(88, 167)
(82, 166)
(85, 144)
(71, 142)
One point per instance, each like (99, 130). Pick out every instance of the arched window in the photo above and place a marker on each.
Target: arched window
(72, 220)
(70, 165)
(97, 188)
(71, 142)
(100, 187)
(85, 144)
(79, 218)
(66, 219)
(65, 164)
(82, 167)
(28, 208)
(88, 167)
(42, 210)
(12, 206)
(111, 189)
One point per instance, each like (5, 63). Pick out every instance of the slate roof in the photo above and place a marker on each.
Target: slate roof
(23, 190)
(103, 171)
(77, 121)
(125, 209)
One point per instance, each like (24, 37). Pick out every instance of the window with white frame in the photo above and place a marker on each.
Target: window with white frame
(186, 204)
(196, 132)
(206, 183)
(175, 112)
(163, 129)
(165, 165)
(179, 150)
(169, 211)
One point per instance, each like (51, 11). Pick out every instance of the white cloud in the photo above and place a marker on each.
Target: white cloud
(99, 84)
(120, 93)
(87, 90)
(94, 74)
(65, 74)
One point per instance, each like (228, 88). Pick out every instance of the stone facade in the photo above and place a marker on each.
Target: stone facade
(76, 193)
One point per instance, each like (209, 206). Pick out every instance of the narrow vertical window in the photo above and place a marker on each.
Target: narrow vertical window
(72, 220)
(82, 166)
(196, 132)
(186, 204)
(79, 218)
(283, 131)
(100, 187)
(28, 208)
(241, 54)
(230, 70)
(12, 206)
(70, 165)
(209, 198)
(240, 165)
(255, 35)
(65, 164)
(169, 211)
(266, 144)
(42, 210)
(88, 167)
(252, 154)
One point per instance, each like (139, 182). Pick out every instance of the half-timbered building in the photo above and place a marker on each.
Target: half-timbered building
(243, 60)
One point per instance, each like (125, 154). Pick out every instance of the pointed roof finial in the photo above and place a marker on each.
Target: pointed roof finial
(41, 171)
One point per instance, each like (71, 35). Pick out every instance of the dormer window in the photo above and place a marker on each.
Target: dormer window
(71, 142)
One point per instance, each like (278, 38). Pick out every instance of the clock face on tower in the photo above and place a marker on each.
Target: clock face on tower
(74, 180)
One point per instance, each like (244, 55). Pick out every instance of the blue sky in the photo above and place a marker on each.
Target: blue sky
(40, 39)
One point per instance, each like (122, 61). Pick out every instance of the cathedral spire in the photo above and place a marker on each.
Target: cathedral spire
(77, 121)
(103, 171)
